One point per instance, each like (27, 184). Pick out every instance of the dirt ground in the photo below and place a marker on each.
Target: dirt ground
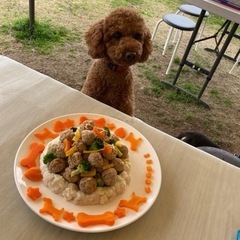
(69, 64)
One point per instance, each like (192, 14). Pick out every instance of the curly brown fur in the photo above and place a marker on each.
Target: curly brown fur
(117, 42)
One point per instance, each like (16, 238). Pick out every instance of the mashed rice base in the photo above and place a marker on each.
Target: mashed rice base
(70, 191)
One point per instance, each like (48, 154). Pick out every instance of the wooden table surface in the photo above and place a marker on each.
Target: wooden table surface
(199, 195)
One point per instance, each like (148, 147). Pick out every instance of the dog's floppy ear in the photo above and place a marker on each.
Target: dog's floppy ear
(147, 46)
(94, 40)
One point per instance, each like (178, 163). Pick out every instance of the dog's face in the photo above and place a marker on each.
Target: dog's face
(122, 37)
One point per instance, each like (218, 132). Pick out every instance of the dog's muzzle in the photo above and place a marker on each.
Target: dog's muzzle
(130, 57)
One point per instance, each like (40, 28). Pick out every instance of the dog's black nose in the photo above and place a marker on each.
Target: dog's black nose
(130, 56)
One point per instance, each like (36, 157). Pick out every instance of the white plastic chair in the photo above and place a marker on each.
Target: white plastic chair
(235, 64)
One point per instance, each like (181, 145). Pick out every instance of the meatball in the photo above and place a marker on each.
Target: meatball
(118, 164)
(124, 150)
(85, 156)
(74, 160)
(105, 162)
(110, 155)
(109, 176)
(67, 134)
(80, 146)
(67, 175)
(87, 125)
(88, 185)
(60, 150)
(88, 137)
(96, 159)
(113, 138)
(57, 165)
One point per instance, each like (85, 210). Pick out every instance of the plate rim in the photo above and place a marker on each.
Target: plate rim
(63, 225)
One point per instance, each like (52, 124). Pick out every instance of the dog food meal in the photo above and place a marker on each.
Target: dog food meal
(87, 165)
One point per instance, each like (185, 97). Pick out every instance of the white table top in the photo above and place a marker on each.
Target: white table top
(218, 9)
(199, 196)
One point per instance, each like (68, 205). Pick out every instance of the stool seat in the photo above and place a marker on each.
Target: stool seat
(179, 22)
(192, 10)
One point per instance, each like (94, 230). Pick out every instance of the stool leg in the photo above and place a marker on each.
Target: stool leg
(177, 31)
(174, 53)
(167, 40)
(176, 36)
(155, 29)
(235, 64)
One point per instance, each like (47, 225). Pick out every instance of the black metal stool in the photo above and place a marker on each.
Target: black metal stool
(193, 11)
(176, 21)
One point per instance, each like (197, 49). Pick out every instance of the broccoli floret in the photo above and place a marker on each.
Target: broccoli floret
(97, 144)
(100, 182)
(48, 157)
(83, 167)
(74, 129)
(107, 131)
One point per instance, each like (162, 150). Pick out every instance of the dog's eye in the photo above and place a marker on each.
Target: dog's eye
(117, 35)
(138, 36)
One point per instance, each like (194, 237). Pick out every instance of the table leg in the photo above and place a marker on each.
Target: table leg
(225, 27)
(189, 46)
(219, 57)
(31, 14)
(227, 24)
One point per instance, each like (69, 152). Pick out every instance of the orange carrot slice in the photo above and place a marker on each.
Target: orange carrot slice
(99, 132)
(58, 126)
(68, 123)
(33, 193)
(30, 160)
(111, 126)
(148, 181)
(134, 142)
(146, 155)
(120, 132)
(34, 174)
(45, 134)
(67, 144)
(84, 220)
(107, 149)
(100, 122)
(133, 203)
(68, 216)
(120, 212)
(149, 161)
(148, 189)
(48, 208)
(82, 119)
(148, 174)
(149, 169)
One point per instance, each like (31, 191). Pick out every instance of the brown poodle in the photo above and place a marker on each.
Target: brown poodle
(117, 42)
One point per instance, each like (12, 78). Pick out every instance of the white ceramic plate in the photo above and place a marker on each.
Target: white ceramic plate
(137, 184)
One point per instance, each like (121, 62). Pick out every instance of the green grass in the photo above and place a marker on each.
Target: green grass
(217, 96)
(43, 38)
(156, 86)
(215, 20)
(178, 96)
(118, 3)
(158, 89)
